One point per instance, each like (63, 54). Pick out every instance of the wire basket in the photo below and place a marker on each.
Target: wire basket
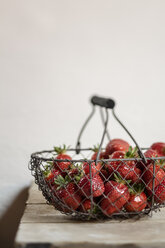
(100, 187)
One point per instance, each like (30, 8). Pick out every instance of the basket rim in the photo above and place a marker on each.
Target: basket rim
(37, 155)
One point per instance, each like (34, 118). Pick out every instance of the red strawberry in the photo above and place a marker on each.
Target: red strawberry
(60, 207)
(95, 150)
(61, 151)
(148, 154)
(102, 156)
(85, 206)
(69, 197)
(97, 186)
(112, 166)
(116, 145)
(148, 176)
(54, 189)
(129, 173)
(76, 173)
(104, 173)
(67, 192)
(95, 168)
(50, 175)
(73, 172)
(115, 197)
(159, 147)
(160, 192)
(126, 169)
(137, 201)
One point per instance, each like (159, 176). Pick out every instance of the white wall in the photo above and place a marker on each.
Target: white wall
(55, 54)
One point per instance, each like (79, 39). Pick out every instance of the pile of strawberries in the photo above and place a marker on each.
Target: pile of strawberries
(120, 181)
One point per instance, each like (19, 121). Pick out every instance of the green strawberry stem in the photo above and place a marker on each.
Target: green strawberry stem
(137, 189)
(161, 163)
(47, 170)
(119, 179)
(76, 166)
(95, 148)
(80, 172)
(96, 209)
(50, 163)
(131, 153)
(61, 181)
(61, 149)
(77, 178)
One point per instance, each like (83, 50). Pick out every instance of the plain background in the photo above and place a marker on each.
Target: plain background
(54, 55)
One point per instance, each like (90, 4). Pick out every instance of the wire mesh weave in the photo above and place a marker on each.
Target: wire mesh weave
(85, 194)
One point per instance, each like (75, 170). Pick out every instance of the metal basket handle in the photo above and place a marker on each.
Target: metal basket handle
(106, 103)
(103, 102)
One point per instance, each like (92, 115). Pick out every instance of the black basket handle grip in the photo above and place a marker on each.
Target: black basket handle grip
(103, 102)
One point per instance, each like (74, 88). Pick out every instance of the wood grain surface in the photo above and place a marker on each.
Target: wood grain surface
(43, 226)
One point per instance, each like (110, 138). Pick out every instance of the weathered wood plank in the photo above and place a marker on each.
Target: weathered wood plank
(41, 223)
(72, 234)
(43, 213)
(35, 196)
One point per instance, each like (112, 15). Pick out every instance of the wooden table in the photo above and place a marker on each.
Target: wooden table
(42, 226)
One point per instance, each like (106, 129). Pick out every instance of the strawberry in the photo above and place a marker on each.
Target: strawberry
(95, 150)
(85, 206)
(148, 176)
(95, 168)
(129, 173)
(61, 151)
(160, 192)
(104, 173)
(112, 166)
(137, 201)
(159, 147)
(67, 192)
(126, 169)
(50, 175)
(116, 145)
(102, 156)
(59, 206)
(115, 197)
(73, 172)
(97, 186)
(148, 154)
(76, 172)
